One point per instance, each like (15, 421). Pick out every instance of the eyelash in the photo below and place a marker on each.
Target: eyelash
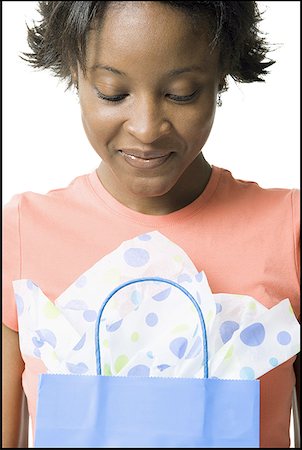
(119, 98)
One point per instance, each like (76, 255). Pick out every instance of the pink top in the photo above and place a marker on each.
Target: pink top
(244, 237)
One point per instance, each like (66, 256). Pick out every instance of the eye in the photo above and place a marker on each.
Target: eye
(111, 98)
(183, 98)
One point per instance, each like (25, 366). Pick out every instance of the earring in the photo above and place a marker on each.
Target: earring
(219, 101)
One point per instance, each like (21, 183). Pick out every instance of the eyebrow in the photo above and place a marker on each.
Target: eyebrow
(108, 68)
(170, 74)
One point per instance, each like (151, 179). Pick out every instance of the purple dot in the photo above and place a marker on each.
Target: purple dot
(195, 349)
(136, 257)
(37, 352)
(76, 305)
(184, 277)
(19, 303)
(30, 284)
(80, 343)
(89, 315)
(227, 329)
(198, 299)
(37, 342)
(46, 335)
(253, 335)
(114, 326)
(144, 237)
(218, 308)
(284, 338)
(151, 319)
(162, 367)
(139, 371)
(198, 276)
(79, 368)
(81, 282)
(162, 295)
(178, 346)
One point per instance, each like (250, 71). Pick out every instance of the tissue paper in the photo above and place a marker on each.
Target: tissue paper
(152, 328)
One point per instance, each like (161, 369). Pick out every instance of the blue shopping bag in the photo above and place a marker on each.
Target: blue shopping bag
(82, 411)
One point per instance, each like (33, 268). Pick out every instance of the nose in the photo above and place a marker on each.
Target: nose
(147, 121)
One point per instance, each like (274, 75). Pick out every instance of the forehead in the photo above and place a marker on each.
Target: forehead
(145, 31)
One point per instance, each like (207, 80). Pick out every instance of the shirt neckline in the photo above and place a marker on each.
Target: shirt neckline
(118, 208)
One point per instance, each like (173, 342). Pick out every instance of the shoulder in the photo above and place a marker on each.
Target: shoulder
(27, 202)
(252, 196)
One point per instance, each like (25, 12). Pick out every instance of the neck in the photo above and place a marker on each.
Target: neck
(188, 188)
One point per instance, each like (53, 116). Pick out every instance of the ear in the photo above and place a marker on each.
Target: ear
(74, 78)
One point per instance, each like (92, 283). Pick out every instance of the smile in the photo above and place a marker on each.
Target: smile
(145, 161)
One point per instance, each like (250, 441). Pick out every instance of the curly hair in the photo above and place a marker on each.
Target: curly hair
(58, 40)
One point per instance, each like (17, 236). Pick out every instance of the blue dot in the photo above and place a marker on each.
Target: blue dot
(253, 335)
(136, 257)
(284, 338)
(218, 308)
(247, 373)
(19, 303)
(144, 237)
(227, 329)
(136, 297)
(89, 315)
(273, 362)
(151, 319)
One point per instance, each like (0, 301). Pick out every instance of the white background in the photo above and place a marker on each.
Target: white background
(255, 134)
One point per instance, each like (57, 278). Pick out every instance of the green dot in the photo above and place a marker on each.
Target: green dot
(252, 305)
(120, 362)
(181, 327)
(107, 370)
(135, 336)
(209, 316)
(105, 343)
(229, 353)
(50, 311)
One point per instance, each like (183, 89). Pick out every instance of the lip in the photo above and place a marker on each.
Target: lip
(146, 159)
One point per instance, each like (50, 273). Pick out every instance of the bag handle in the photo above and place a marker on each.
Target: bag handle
(163, 280)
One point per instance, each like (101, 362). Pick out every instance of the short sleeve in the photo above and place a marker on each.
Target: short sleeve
(11, 260)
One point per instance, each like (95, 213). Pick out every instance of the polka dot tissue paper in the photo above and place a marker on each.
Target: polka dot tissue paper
(157, 317)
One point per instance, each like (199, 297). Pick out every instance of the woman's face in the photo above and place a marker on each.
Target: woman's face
(148, 101)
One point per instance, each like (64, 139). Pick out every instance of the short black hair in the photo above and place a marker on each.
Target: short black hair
(58, 40)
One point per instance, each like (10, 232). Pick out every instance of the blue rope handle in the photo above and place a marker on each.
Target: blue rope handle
(163, 280)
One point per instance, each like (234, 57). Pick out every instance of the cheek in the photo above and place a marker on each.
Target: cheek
(100, 124)
(197, 126)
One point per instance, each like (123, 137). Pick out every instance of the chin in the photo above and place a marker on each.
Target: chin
(152, 189)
